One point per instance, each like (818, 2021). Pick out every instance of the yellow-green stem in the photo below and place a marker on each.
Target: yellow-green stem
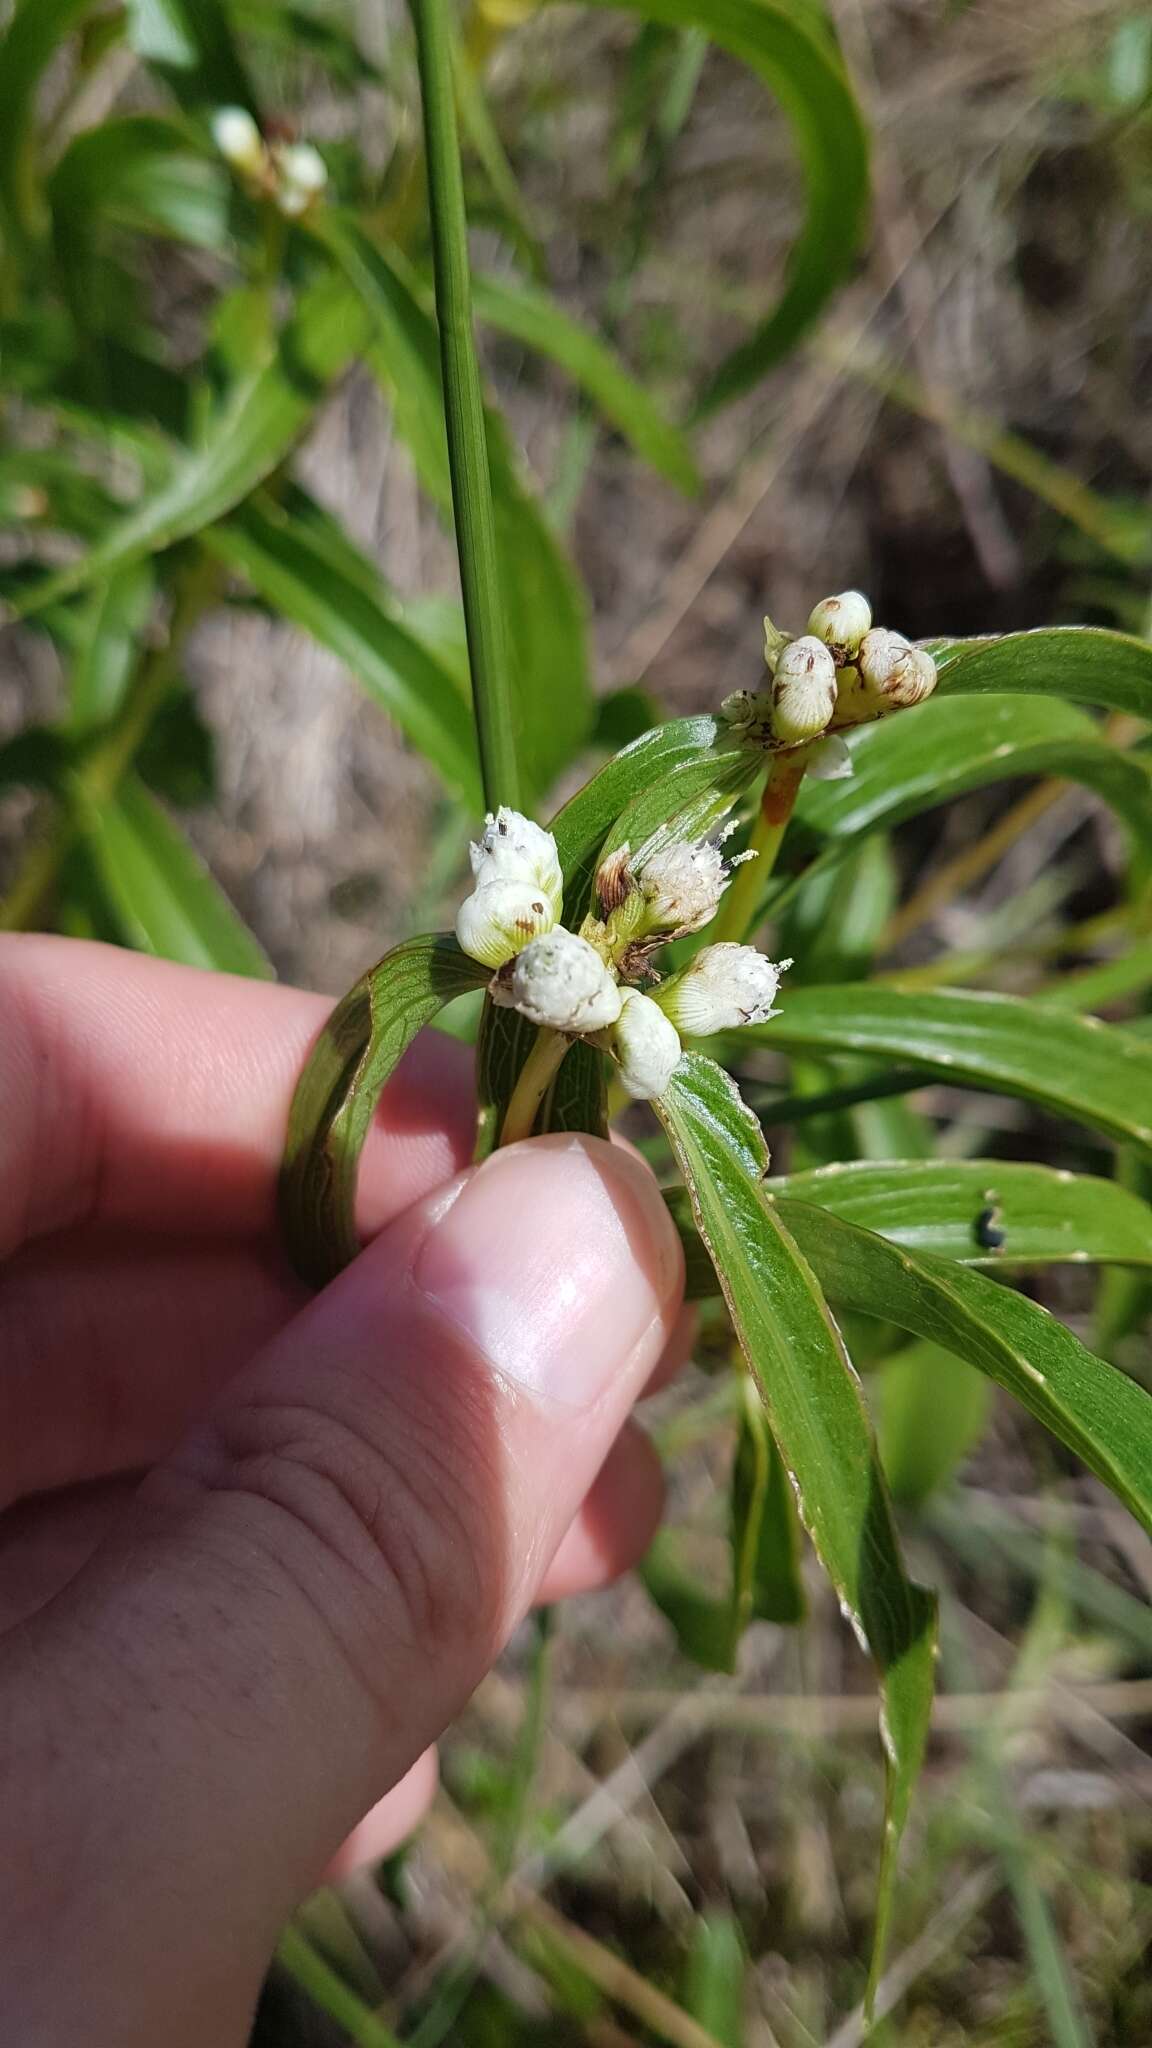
(536, 1077)
(739, 912)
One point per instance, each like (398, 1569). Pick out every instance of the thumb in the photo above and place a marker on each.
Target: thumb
(303, 1596)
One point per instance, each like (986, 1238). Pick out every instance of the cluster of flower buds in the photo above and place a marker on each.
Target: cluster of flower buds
(843, 671)
(291, 175)
(583, 983)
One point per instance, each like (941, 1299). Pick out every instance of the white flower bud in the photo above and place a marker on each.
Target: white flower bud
(561, 982)
(804, 691)
(830, 760)
(499, 918)
(913, 678)
(682, 885)
(303, 175)
(239, 140)
(646, 1046)
(515, 848)
(841, 623)
(725, 986)
(895, 674)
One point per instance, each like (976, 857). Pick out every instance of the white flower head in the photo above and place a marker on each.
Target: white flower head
(841, 623)
(303, 175)
(239, 140)
(803, 691)
(646, 1045)
(725, 987)
(682, 885)
(500, 917)
(560, 982)
(515, 848)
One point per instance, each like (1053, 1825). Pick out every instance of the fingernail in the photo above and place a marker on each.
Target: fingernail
(558, 1261)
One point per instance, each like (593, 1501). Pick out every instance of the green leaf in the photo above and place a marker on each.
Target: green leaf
(543, 599)
(984, 1212)
(111, 629)
(1105, 1418)
(715, 1976)
(337, 1093)
(139, 171)
(1086, 663)
(40, 487)
(766, 1583)
(257, 424)
(353, 614)
(1077, 1067)
(815, 1411)
(701, 1623)
(159, 891)
(926, 756)
(931, 1410)
(27, 47)
(192, 42)
(802, 69)
(540, 322)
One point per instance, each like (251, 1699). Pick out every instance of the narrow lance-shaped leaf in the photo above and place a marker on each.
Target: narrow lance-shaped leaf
(541, 323)
(1103, 1416)
(1077, 1067)
(984, 1212)
(336, 1096)
(108, 646)
(764, 1537)
(816, 1413)
(903, 766)
(33, 35)
(256, 426)
(353, 615)
(1086, 663)
(158, 889)
(800, 66)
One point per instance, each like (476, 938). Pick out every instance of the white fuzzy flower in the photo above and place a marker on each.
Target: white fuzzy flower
(515, 848)
(560, 981)
(499, 918)
(803, 691)
(841, 623)
(682, 885)
(646, 1045)
(725, 986)
(239, 140)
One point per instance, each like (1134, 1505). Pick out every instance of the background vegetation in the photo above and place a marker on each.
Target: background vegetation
(236, 705)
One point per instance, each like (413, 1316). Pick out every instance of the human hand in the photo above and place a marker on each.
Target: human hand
(258, 1549)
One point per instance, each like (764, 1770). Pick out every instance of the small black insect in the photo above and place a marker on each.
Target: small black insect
(990, 1232)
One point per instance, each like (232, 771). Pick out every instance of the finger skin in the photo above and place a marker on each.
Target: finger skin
(300, 1600)
(135, 1092)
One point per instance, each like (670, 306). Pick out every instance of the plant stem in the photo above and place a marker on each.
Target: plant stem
(536, 1076)
(327, 1990)
(740, 911)
(464, 410)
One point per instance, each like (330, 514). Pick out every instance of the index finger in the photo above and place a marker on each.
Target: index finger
(136, 1092)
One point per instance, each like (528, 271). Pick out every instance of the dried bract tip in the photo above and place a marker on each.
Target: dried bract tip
(682, 885)
(841, 623)
(725, 987)
(239, 140)
(645, 1044)
(514, 848)
(560, 982)
(614, 880)
(499, 918)
(804, 691)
